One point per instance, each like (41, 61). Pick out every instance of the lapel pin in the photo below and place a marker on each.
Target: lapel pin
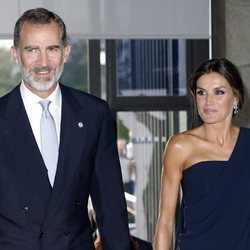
(80, 124)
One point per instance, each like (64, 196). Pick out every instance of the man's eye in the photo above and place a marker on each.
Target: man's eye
(32, 50)
(53, 49)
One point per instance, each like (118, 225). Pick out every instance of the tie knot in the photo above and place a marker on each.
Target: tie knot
(45, 104)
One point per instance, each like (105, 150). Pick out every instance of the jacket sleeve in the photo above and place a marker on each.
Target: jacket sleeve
(107, 192)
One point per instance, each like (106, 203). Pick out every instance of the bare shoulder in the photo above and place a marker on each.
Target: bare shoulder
(183, 141)
(181, 147)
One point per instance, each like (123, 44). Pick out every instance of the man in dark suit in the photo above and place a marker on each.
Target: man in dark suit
(44, 207)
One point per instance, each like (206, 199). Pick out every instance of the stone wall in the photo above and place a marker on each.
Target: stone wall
(231, 39)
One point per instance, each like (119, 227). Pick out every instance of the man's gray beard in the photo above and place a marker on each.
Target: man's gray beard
(41, 85)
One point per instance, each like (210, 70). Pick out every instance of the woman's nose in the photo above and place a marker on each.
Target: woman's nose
(209, 99)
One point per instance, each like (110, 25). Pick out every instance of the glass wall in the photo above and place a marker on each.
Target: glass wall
(146, 82)
(151, 68)
(9, 71)
(76, 68)
(146, 134)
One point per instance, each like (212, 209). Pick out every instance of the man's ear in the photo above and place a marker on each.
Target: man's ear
(14, 54)
(66, 54)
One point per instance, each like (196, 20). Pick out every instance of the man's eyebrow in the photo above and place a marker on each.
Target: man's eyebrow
(30, 47)
(53, 47)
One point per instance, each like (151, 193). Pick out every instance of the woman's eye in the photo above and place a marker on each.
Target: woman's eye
(219, 92)
(200, 92)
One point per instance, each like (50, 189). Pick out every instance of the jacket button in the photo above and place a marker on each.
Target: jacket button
(25, 209)
(66, 232)
(77, 203)
(41, 235)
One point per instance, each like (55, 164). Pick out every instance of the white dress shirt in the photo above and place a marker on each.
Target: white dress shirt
(34, 110)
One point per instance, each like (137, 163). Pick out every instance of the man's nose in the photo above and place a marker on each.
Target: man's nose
(43, 58)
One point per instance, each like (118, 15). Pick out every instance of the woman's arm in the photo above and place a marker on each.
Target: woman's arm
(173, 163)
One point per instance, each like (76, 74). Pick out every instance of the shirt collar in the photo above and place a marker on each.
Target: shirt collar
(30, 98)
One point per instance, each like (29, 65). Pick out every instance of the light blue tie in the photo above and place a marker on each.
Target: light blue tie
(49, 142)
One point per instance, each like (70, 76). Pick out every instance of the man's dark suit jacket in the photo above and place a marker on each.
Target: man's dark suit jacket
(35, 216)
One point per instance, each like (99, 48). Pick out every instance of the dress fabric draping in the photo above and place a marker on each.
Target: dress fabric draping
(215, 209)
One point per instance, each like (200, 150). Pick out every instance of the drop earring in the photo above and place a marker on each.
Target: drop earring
(235, 109)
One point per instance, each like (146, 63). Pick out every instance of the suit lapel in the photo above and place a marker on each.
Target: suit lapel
(19, 137)
(71, 145)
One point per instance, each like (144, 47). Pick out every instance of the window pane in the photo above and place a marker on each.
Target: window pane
(151, 67)
(146, 134)
(9, 70)
(76, 68)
